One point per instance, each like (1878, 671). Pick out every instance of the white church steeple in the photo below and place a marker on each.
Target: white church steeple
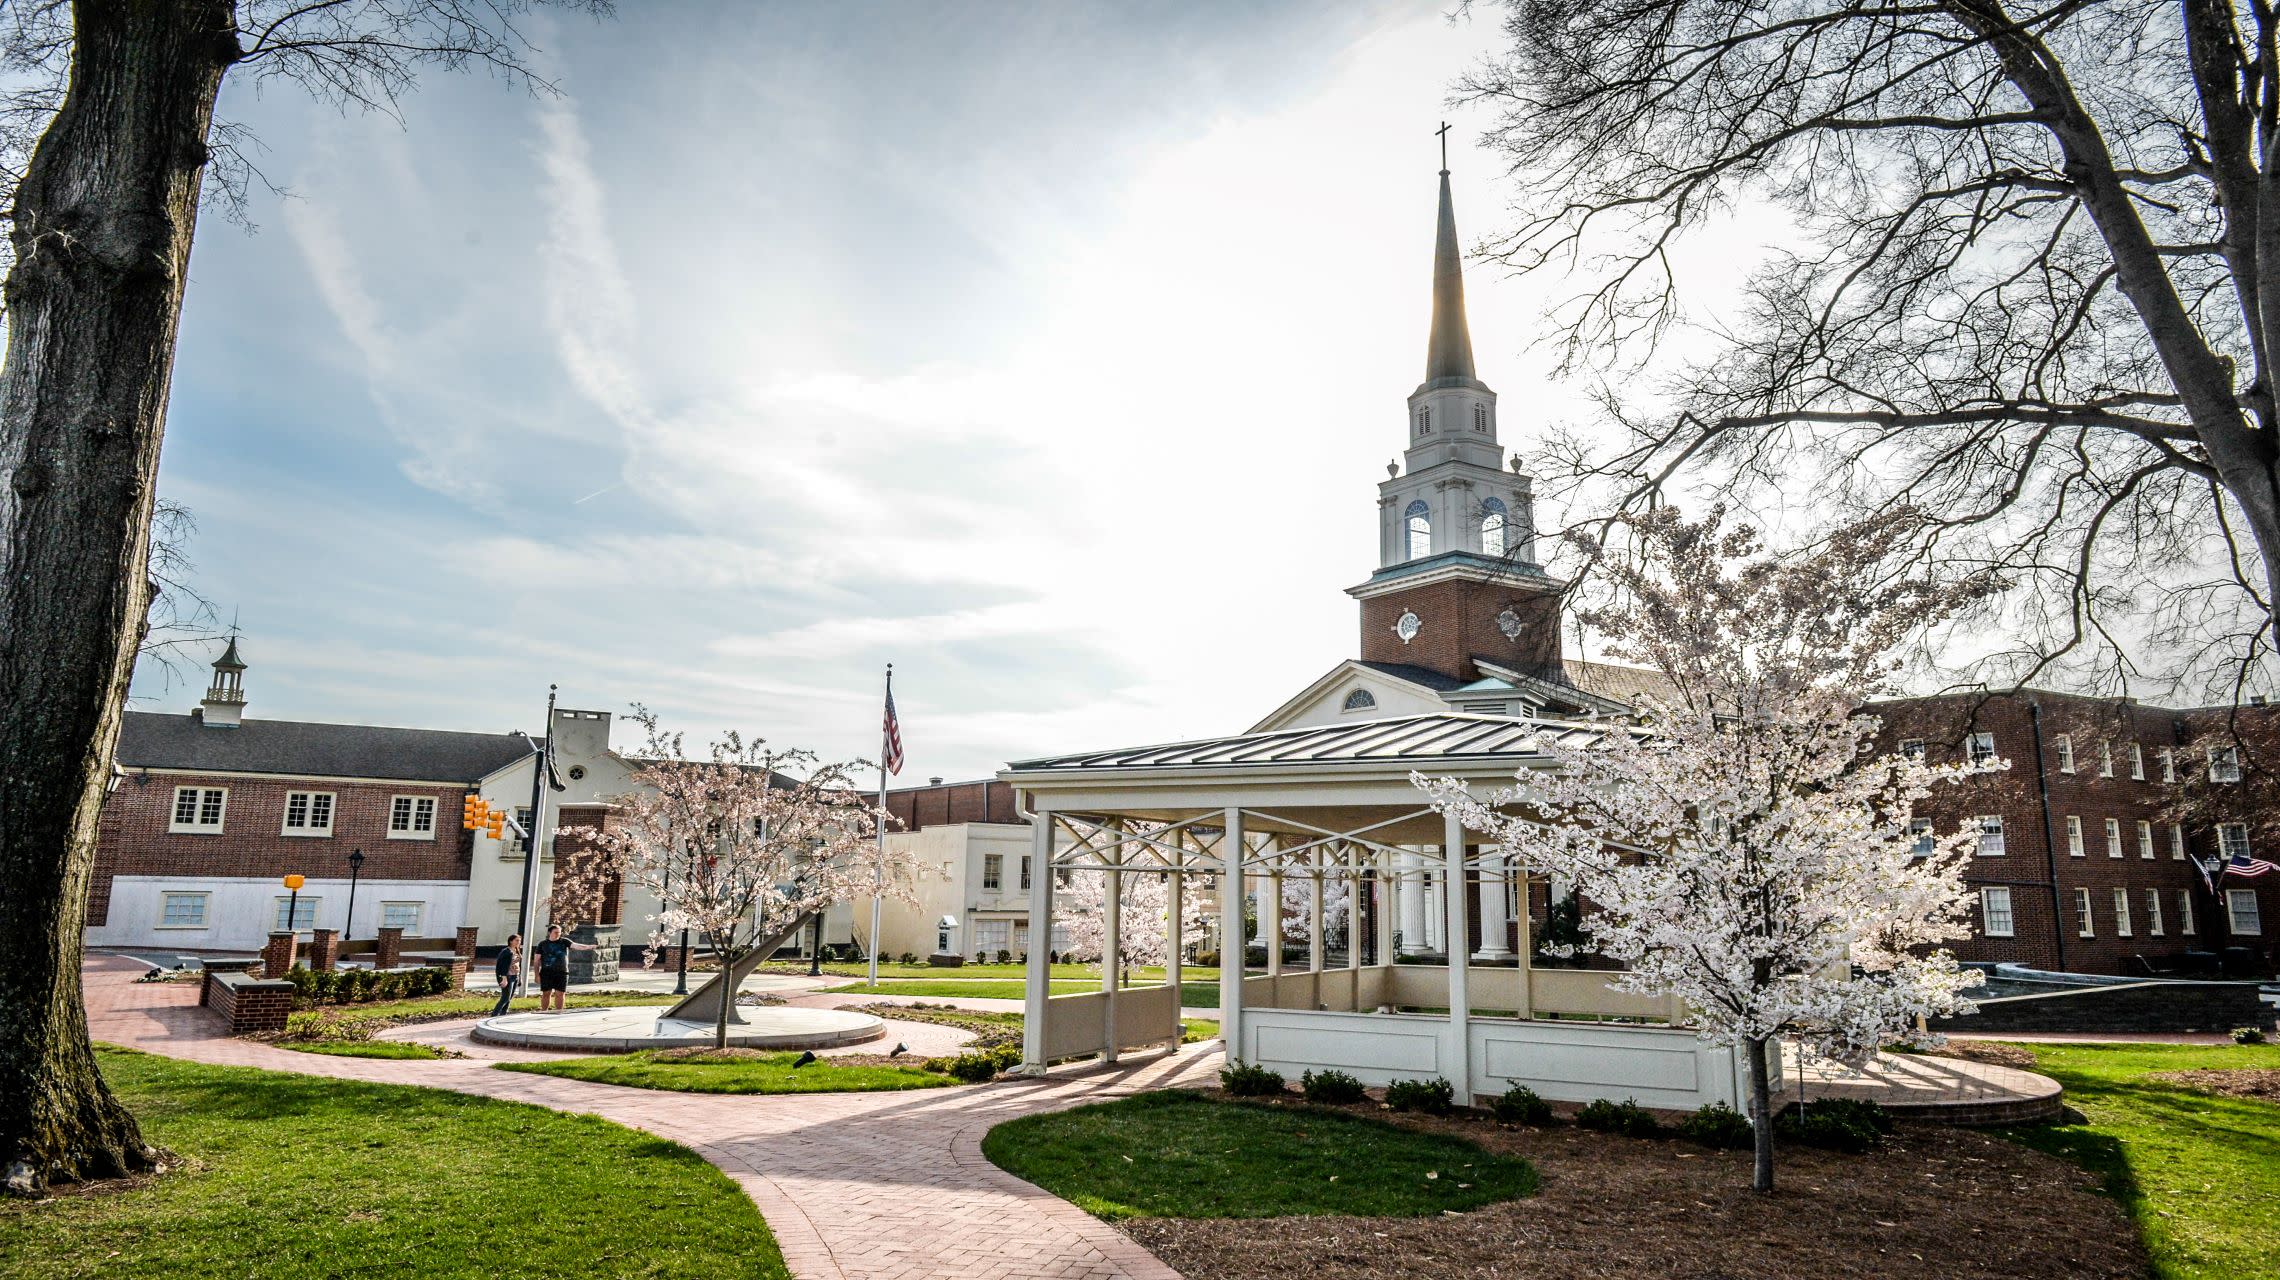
(224, 703)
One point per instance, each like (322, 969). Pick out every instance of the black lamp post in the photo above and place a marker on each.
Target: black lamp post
(355, 866)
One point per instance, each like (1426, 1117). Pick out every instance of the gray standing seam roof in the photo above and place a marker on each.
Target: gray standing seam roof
(1439, 736)
(156, 740)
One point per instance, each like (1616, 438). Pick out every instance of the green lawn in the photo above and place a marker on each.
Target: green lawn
(2199, 1173)
(1181, 1155)
(1193, 995)
(362, 1048)
(771, 1074)
(293, 1176)
(998, 1026)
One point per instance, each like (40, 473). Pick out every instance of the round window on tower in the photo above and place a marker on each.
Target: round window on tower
(577, 773)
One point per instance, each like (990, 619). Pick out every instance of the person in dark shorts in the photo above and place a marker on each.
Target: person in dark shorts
(553, 956)
(510, 969)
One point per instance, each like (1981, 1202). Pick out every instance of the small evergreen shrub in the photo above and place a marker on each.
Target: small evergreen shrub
(1836, 1124)
(1335, 1087)
(1434, 1097)
(1006, 1056)
(1521, 1105)
(1247, 1081)
(2248, 1035)
(322, 1024)
(1718, 1127)
(388, 986)
(1627, 1118)
(973, 1068)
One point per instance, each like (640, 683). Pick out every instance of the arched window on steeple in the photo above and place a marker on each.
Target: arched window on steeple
(1480, 418)
(1424, 421)
(1418, 534)
(1493, 522)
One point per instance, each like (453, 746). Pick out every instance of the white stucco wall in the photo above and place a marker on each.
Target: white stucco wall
(240, 909)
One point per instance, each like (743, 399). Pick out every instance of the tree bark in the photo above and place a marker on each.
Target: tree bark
(1761, 1117)
(102, 231)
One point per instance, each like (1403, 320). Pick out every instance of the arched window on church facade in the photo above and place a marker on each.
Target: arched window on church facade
(1493, 522)
(1418, 533)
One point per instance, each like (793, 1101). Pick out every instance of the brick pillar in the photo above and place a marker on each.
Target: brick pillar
(390, 953)
(277, 957)
(324, 949)
(464, 945)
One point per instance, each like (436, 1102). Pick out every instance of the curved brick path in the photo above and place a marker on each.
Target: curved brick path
(856, 1186)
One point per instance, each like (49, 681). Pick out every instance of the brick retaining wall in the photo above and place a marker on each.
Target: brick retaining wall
(247, 1003)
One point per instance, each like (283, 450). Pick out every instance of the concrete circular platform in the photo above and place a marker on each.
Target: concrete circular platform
(630, 1028)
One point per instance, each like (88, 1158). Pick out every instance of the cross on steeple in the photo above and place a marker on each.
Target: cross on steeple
(1444, 132)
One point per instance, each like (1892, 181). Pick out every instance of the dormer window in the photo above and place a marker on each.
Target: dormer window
(1417, 533)
(1480, 418)
(1360, 700)
(1425, 421)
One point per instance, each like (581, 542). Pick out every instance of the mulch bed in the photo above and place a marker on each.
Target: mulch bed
(2001, 1055)
(2260, 1084)
(1932, 1202)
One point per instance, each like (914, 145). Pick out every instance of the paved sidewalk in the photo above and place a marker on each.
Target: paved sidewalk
(856, 1186)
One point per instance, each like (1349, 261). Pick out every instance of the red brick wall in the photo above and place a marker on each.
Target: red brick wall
(133, 839)
(1459, 622)
(953, 802)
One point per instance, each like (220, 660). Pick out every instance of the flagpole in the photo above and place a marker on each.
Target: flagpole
(879, 867)
(525, 912)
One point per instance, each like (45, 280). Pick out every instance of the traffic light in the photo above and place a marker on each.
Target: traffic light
(497, 825)
(473, 813)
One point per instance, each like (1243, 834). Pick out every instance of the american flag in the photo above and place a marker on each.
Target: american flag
(892, 732)
(2243, 865)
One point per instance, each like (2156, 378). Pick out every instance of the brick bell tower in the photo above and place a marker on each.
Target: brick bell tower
(1457, 575)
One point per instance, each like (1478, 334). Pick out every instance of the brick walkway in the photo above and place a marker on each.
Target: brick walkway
(856, 1186)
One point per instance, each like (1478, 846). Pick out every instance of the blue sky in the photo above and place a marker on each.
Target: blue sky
(1050, 352)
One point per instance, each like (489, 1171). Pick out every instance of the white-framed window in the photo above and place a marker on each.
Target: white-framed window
(199, 810)
(993, 871)
(2241, 915)
(2185, 911)
(1995, 911)
(2121, 913)
(182, 909)
(1920, 837)
(2105, 757)
(2153, 912)
(401, 915)
(1913, 748)
(2168, 759)
(1424, 420)
(2065, 745)
(411, 818)
(1990, 835)
(1359, 700)
(2145, 839)
(1480, 418)
(1025, 873)
(993, 936)
(1492, 526)
(2137, 762)
(2224, 764)
(1417, 531)
(2073, 836)
(2084, 926)
(2176, 842)
(304, 911)
(308, 813)
(2113, 837)
(2232, 840)
(1981, 747)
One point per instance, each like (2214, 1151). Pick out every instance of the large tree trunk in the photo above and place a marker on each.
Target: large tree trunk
(102, 229)
(1761, 1117)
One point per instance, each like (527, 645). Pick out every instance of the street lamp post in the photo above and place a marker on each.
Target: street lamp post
(293, 885)
(355, 868)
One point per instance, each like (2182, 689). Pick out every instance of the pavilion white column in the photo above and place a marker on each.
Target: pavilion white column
(1174, 887)
(1039, 987)
(1231, 934)
(1409, 892)
(1436, 880)
(1271, 915)
(1314, 921)
(1494, 917)
(1112, 942)
(1353, 908)
(1459, 1056)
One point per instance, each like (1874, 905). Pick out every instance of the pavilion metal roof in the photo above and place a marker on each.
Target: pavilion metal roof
(1402, 740)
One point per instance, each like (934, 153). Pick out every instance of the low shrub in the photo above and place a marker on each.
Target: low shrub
(1627, 1118)
(387, 986)
(973, 1068)
(2248, 1035)
(1247, 1081)
(1718, 1127)
(323, 1024)
(909, 957)
(981, 957)
(1836, 1124)
(1006, 1056)
(1335, 1087)
(1521, 1105)
(1433, 1097)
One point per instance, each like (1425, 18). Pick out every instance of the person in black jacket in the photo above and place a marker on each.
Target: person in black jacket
(554, 968)
(510, 972)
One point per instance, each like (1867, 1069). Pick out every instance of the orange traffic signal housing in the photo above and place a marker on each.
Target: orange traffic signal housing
(473, 813)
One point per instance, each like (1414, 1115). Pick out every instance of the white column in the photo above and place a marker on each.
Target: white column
(1314, 920)
(1388, 909)
(1112, 941)
(1459, 1057)
(1270, 913)
(1493, 916)
(1175, 885)
(1039, 987)
(1353, 908)
(1436, 881)
(1231, 934)
(1409, 891)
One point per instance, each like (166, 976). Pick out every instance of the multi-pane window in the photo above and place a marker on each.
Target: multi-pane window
(1990, 835)
(2168, 759)
(2065, 745)
(2176, 842)
(2113, 837)
(2241, 915)
(1417, 531)
(2137, 762)
(1424, 422)
(1025, 872)
(2224, 764)
(1492, 527)
(2232, 840)
(2083, 924)
(1913, 748)
(411, 818)
(1480, 417)
(2122, 913)
(1995, 911)
(199, 810)
(1981, 747)
(2105, 757)
(2153, 912)
(1920, 833)
(308, 813)
(993, 871)
(2073, 836)
(2185, 911)
(303, 910)
(182, 911)
(400, 915)
(2145, 839)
